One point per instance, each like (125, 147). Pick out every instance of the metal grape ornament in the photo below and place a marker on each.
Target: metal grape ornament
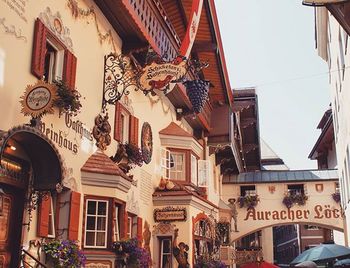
(198, 93)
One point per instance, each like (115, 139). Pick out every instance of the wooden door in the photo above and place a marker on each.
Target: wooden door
(11, 211)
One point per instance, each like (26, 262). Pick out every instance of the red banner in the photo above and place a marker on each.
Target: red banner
(192, 28)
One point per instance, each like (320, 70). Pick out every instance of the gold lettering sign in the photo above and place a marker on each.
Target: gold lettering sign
(159, 75)
(38, 99)
(170, 214)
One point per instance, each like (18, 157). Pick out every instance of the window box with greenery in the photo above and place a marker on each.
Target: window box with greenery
(64, 253)
(128, 156)
(292, 198)
(248, 201)
(67, 99)
(130, 254)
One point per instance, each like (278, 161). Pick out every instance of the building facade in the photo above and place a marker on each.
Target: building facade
(332, 34)
(79, 175)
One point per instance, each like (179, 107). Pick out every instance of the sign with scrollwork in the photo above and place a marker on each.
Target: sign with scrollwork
(169, 214)
(38, 99)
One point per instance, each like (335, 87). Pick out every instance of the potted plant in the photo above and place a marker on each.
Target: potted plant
(298, 198)
(68, 99)
(128, 156)
(336, 197)
(64, 253)
(130, 254)
(248, 201)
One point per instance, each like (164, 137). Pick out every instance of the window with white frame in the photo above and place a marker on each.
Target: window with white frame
(96, 223)
(54, 57)
(132, 226)
(125, 126)
(177, 166)
(194, 177)
(165, 252)
(51, 232)
(116, 223)
(165, 163)
(203, 173)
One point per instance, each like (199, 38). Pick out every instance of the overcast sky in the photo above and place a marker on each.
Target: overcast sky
(270, 44)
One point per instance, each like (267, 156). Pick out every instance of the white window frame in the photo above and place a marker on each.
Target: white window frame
(125, 126)
(175, 173)
(162, 254)
(56, 61)
(52, 218)
(194, 169)
(204, 173)
(132, 226)
(165, 163)
(116, 224)
(96, 217)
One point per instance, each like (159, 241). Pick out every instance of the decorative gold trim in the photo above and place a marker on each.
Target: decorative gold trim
(46, 107)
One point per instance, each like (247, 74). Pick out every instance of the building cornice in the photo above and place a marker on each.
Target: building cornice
(105, 180)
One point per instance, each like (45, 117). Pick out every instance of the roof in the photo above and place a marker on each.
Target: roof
(269, 159)
(175, 130)
(283, 176)
(100, 163)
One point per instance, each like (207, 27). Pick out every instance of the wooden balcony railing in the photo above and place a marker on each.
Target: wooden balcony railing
(152, 20)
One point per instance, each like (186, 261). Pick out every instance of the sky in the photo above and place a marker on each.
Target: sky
(270, 45)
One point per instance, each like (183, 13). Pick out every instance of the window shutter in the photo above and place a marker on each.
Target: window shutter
(39, 49)
(139, 230)
(43, 217)
(134, 130)
(118, 122)
(165, 162)
(194, 169)
(69, 69)
(203, 173)
(73, 227)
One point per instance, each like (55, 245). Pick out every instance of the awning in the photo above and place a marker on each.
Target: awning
(45, 160)
(322, 2)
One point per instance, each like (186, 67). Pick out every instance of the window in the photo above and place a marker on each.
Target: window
(204, 173)
(296, 189)
(50, 58)
(51, 219)
(248, 190)
(125, 125)
(165, 163)
(165, 252)
(178, 166)
(132, 226)
(194, 169)
(96, 223)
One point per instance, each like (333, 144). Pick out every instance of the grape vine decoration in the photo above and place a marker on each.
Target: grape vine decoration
(198, 93)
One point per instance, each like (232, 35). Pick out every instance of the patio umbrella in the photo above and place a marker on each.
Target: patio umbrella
(323, 252)
(307, 264)
(262, 264)
(342, 263)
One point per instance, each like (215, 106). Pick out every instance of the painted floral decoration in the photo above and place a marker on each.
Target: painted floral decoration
(294, 198)
(130, 254)
(248, 201)
(336, 197)
(68, 100)
(64, 253)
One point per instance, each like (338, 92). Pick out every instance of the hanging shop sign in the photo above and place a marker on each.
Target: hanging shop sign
(321, 2)
(169, 214)
(38, 99)
(159, 75)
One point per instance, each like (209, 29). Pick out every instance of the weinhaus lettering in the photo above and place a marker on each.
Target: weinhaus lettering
(60, 136)
(319, 212)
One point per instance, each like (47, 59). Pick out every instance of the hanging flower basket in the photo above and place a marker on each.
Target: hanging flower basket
(336, 197)
(64, 253)
(248, 201)
(198, 93)
(294, 198)
(68, 100)
(130, 254)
